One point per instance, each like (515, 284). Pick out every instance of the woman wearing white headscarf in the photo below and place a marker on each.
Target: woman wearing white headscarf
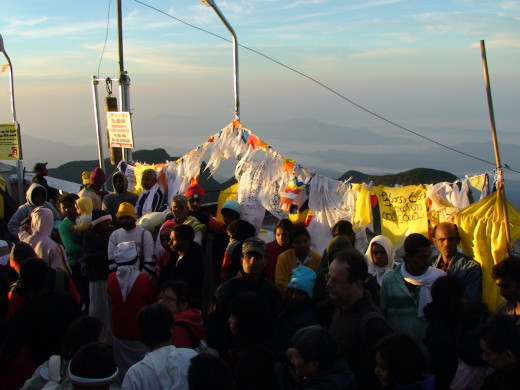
(380, 257)
(129, 292)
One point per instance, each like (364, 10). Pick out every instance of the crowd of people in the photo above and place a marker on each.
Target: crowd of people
(114, 290)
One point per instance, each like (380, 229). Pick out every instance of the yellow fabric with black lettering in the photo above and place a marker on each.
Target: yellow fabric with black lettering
(402, 211)
(483, 237)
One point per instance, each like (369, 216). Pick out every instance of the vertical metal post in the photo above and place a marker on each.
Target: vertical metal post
(211, 3)
(95, 98)
(19, 163)
(501, 191)
(124, 80)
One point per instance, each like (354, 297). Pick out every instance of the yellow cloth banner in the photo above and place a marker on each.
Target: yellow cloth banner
(483, 237)
(362, 214)
(228, 193)
(402, 211)
(2, 202)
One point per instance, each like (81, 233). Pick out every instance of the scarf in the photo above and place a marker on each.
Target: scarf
(425, 282)
(373, 269)
(126, 276)
(148, 203)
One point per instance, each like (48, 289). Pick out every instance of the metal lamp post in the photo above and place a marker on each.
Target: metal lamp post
(211, 3)
(21, 192)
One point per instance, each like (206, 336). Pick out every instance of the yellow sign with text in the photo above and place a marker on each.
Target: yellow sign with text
(402, 211)
(9, 142)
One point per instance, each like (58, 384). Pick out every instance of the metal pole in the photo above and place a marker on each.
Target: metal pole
(211, 3)
(95, 97)
(124, 80)
(19, 163)
(501, 190)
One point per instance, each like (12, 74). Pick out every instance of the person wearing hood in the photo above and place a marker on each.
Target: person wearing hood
(121, 194)
(129, 292)
(35, 195)
(164, 366)
(380, 257)
(40, 240)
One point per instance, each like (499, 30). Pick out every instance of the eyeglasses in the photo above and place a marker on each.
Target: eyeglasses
(335, 281)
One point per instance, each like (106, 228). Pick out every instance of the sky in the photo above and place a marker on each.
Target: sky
(416, 63)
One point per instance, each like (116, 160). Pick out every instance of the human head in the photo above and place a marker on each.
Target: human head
(447, 298)
(500, 341)
(85, 178)
(97, 178)
(41, 169)
(101, 220)
(253, 256)
(125, 253)
(36, 194)
(181, 238)
(300, 240)
(345, 229)
(176, 295)
(240, 230)
(401, 360)
(20, 252)
(148, 178)
(119, 182)
(195, 193)
(33, 275)
(155, 323)
(126, 216)
(314, 351)
(302, 279)
(67, 206)
(252, 320)
(179, 208)
(93, 366)
(282, 232)
(507, 277)
(381, 252)
(208, 371)
(336, 245)
(347, 274)
(417, 254)
(84, 206)
(165, 232)
(446, 238)
(231, 210)
(82, 330)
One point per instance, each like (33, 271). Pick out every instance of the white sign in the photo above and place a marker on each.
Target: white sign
(119, 129)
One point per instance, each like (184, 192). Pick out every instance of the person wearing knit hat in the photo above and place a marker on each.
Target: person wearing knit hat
(231, 210)
(19, 252)
(93, 189)
(85, 177)
(130, 231)
(195, 193)
(130, 291)
(95, 256)
(93, 366)
(302, 279)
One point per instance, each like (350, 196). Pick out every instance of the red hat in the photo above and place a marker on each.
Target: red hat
(195, 191)
(98, 176)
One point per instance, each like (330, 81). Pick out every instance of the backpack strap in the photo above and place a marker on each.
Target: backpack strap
(55, 368)
(194, 339)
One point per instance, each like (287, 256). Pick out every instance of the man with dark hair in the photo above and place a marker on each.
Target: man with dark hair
(500, 343)
(120, 194)
(185, 260)
(357, 323)
(251, 278)
(165, 366)
(405, 290)
(152, 198)
(209, 372)
(446, 237)
(507, 277)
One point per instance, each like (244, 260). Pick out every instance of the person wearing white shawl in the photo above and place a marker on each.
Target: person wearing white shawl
(152, 198)
(380, 257)
(406, 290)
(129, 291)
